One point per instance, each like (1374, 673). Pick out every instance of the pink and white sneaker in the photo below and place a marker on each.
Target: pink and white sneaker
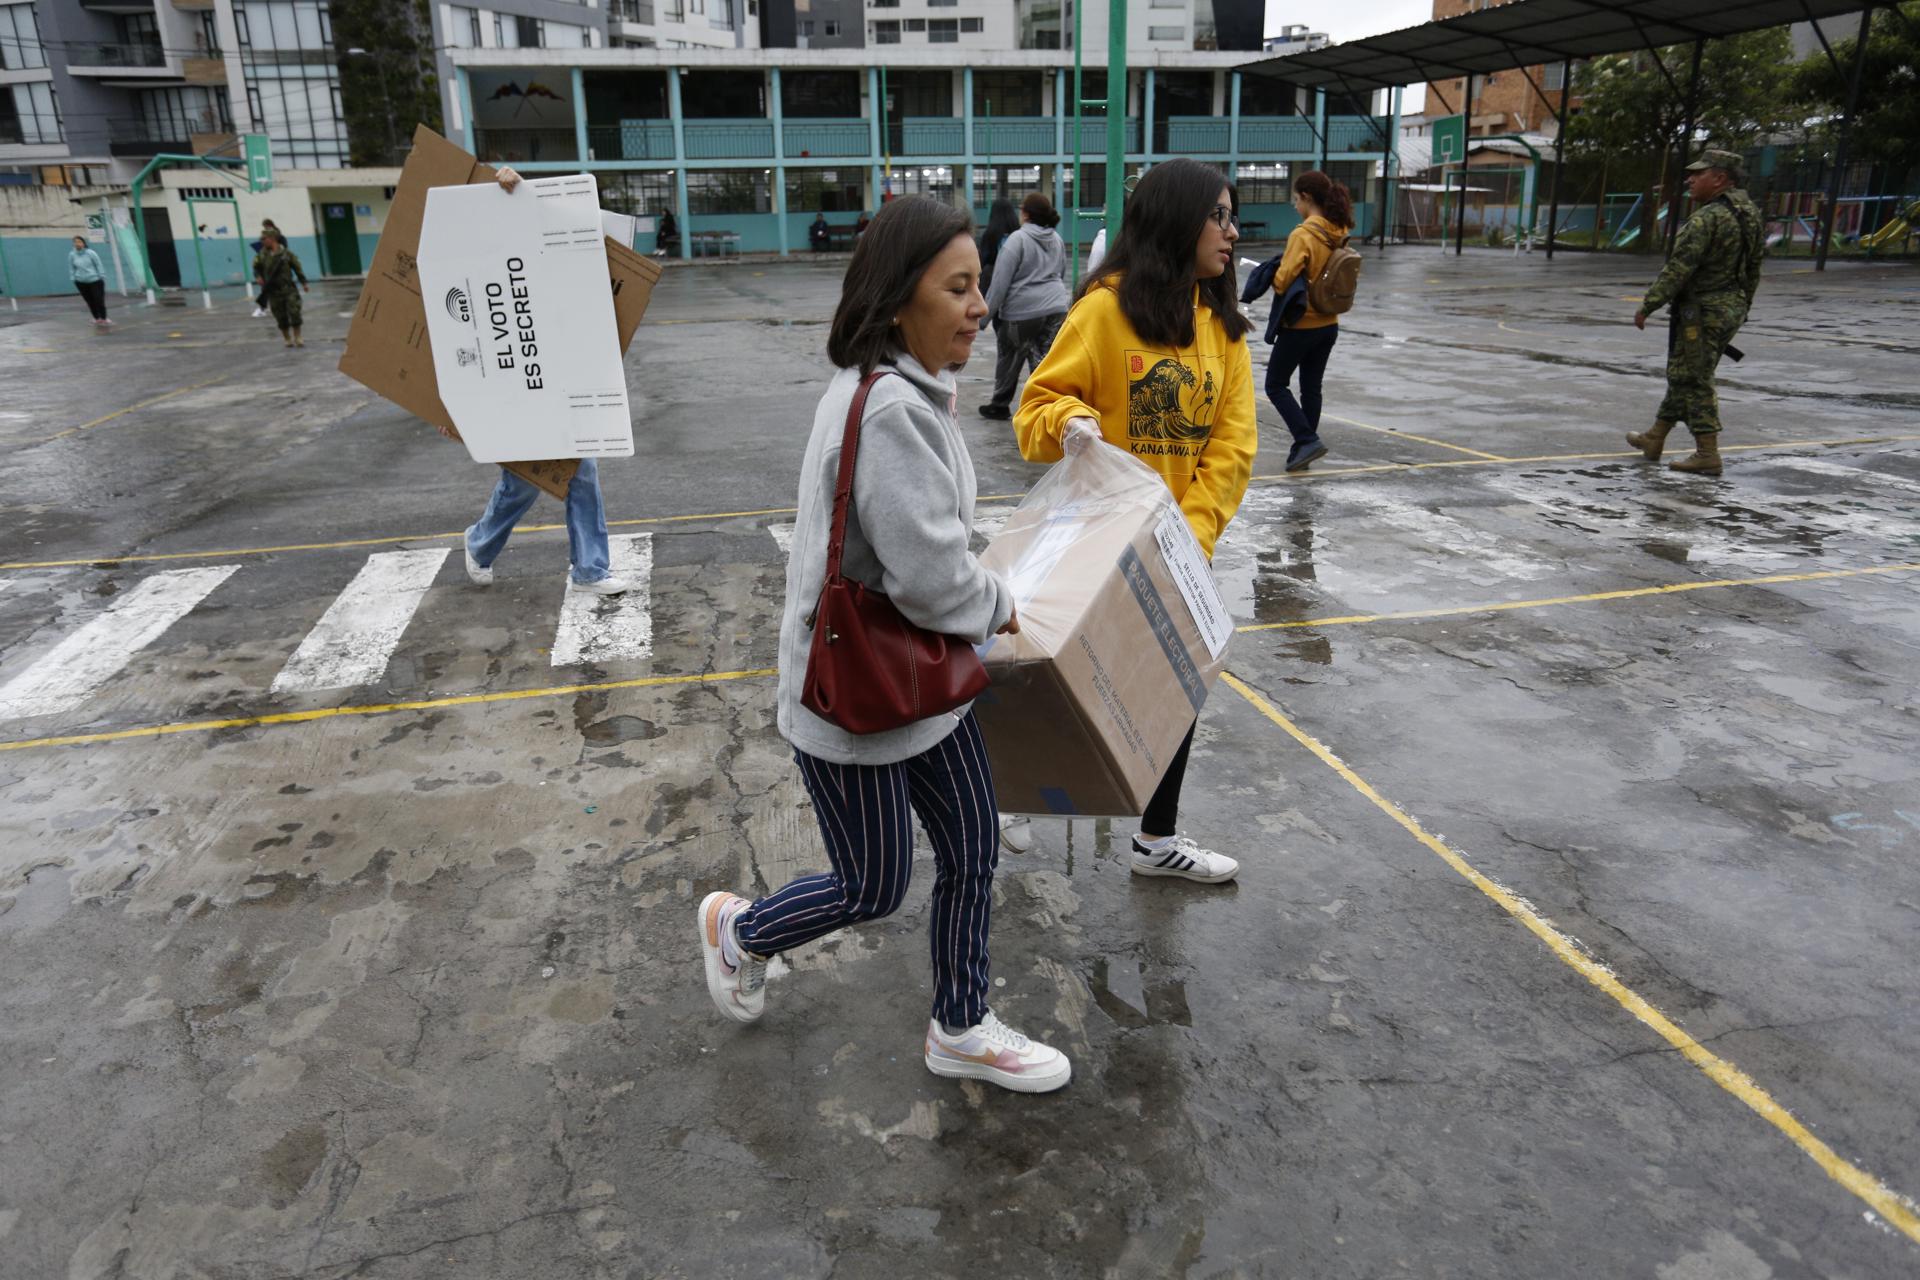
(996, 1053)
(738, 986)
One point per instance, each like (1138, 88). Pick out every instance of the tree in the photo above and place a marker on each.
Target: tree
(1886, 127)
(392, 83)
(1631, 114)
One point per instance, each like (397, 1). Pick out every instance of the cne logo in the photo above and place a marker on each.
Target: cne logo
(458, 307)
(467, 356)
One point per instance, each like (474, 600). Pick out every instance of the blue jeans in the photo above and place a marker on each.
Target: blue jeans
(1306, 350)
(586, 521)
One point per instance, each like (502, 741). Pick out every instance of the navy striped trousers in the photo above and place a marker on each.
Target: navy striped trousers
(866, 816)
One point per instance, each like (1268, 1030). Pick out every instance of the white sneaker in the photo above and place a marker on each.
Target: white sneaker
(481, 575)
(611, 585)
(257, 313)
(1185, 859)
(740, 990)
(996, 1053)
(1016, 833)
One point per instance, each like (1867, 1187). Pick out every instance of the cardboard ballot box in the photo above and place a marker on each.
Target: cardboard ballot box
(1122, 632)
(387, 347)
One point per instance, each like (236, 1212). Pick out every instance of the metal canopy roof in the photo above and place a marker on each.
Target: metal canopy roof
(1527, 32)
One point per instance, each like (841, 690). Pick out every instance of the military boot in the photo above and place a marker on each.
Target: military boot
(1651, 441)
(1705, 458)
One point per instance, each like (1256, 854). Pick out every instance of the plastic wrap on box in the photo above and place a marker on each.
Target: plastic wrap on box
(1122, 633)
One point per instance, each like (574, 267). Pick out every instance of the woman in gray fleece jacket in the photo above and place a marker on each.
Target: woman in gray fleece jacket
(1026, 301)
(910, 308)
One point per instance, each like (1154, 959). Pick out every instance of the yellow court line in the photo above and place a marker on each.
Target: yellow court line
(379, 709)
(1408, 435)
(1668, 589)
(1892, 1207)
(164, 395)
(1325, 473)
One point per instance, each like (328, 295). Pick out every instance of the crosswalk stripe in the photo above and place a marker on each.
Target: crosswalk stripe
(610, 628)
(64, 677)
(356, 636)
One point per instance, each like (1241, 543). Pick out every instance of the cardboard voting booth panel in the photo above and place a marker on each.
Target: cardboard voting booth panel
(387, 344)
(521, 320)
(1122, 632)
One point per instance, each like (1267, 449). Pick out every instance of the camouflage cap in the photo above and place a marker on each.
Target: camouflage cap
(1727, 160)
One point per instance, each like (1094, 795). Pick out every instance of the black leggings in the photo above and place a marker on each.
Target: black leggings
(1306, 350)
(95, 292)
(1163, 811)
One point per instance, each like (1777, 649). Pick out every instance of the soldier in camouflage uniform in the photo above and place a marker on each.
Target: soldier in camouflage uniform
(1709, 282)
(279, 268)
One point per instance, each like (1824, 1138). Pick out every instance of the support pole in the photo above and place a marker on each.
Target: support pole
(1387, 206)
(1079, 173)
(1320, 126)
(1831, 206)
(779, 174)
(581, 148)
(1116, 118)
(679, 163)
(1466, 169)
(1686, 144)
(1560, 157)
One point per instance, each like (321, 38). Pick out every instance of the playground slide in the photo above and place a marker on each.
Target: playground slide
(1898, 228)
(1629, 234)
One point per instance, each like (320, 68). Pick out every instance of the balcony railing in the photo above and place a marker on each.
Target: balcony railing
(142, 54)
(827, 138)
(1000, 140)
(729, 139)
(929, 136)
(135, 136)
(639, 11)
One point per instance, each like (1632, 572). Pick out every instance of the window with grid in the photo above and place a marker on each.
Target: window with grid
(20, 47)
(825, 191)
(293, 81)
(932, 180)
(636, 191)
(1166, 33)
(29, 114)
(729, 191)
(943, 31)
(886, 33)
(833, 29)
(1263, 184)
(915, 24)
(972, 25)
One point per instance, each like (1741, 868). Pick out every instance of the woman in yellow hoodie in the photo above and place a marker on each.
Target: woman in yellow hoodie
(1153, 359)
(1326, 220)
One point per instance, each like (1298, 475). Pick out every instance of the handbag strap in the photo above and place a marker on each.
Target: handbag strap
(843, 487)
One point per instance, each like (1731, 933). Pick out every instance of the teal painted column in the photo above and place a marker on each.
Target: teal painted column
(679, 162)
(1320, 124)
(1387, 207)
(1233, 126)
(1146, 120)
(466, 109)
(580, 115)
(779, 158)
(966, 128)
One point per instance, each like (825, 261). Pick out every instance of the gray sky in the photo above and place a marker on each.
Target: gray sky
(1348, 19)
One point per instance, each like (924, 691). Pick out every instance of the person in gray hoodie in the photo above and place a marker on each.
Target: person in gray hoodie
(909, 311)
(1026, 300)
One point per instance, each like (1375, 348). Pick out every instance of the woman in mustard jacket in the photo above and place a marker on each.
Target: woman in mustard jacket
(1153, 359)
(1326, 220)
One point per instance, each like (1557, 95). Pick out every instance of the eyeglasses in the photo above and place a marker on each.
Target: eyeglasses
(1223, 216)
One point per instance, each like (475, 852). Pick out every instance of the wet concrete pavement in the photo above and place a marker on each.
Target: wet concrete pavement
(398, 979)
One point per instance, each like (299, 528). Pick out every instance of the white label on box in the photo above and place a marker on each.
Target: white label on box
(1194, 576)
(525, 346)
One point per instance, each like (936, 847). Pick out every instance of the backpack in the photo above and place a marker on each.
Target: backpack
(1331, 292)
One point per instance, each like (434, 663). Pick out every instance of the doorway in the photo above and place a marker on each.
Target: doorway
(162, 258)
(339, 241)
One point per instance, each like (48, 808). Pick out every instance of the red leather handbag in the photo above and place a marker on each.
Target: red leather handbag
(869, 669)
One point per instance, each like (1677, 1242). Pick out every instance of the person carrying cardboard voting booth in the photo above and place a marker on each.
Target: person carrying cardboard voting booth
(1153, 360)
(886, 504)
(513, 496)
